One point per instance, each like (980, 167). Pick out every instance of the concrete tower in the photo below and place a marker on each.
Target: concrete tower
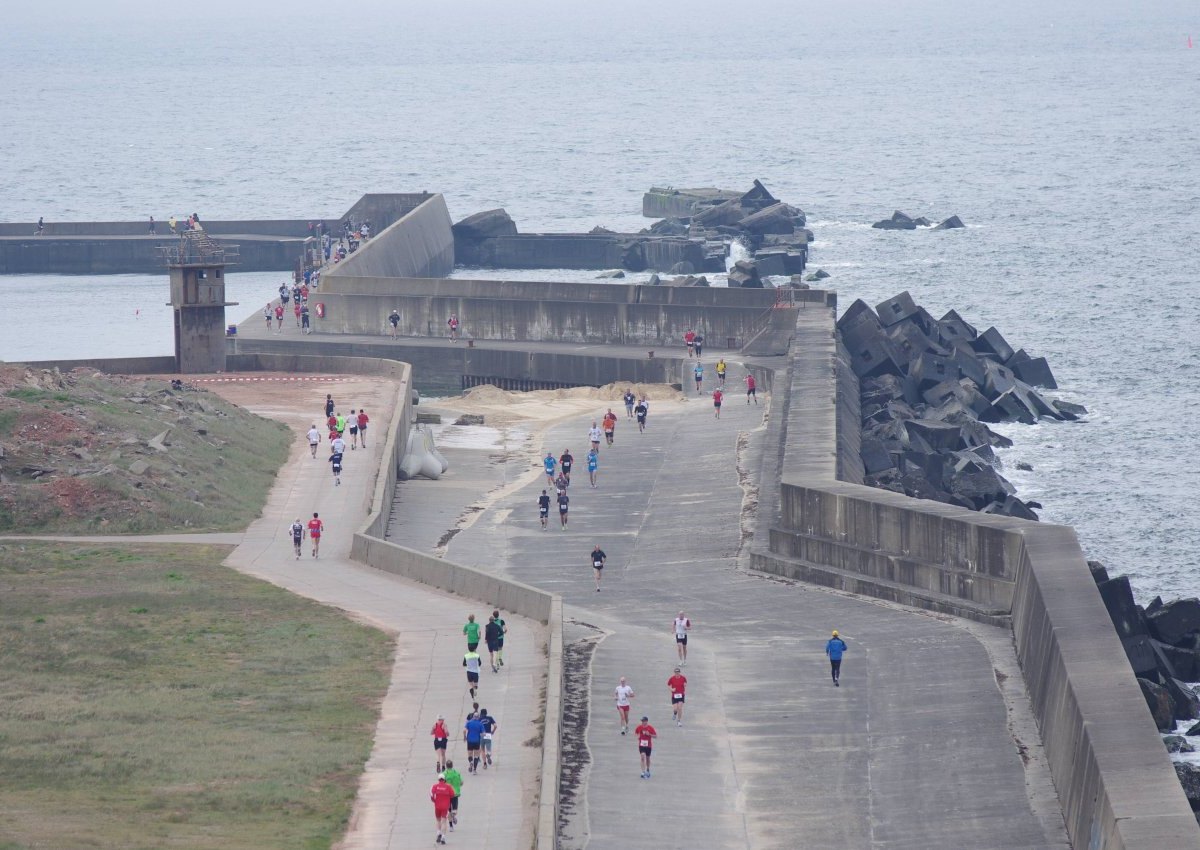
(197, 268)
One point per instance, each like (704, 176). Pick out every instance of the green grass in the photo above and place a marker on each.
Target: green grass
(152, 698)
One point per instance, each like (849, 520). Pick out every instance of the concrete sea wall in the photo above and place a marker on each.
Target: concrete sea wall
(132, 255)
(418, 244)
(578, 251)
(1113, 777)
(549, 312)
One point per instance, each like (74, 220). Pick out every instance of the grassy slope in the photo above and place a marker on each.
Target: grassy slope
(91, 430)
(153, 698)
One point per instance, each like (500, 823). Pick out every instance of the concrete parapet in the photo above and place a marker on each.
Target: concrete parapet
(580, 251)
(418, 244)
(132, 255)
(1114, 780)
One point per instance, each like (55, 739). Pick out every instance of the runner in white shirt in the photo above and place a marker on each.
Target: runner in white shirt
(337, 446)
(594, 436)
(623, 694)
(314, 439)
(682, 625)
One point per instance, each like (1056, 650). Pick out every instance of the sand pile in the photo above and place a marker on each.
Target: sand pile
(502, 407)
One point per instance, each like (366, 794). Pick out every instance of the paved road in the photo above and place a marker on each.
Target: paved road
(913, 750)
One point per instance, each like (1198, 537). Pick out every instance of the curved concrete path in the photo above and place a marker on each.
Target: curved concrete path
(392, 810)
(918, 748)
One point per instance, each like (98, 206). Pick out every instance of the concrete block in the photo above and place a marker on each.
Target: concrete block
(929, 370)
(961, 328)
(968, 363)
(875, 456)
(1141, 654)
(1122, 610)
(1186, 703)
(991, 342)
(896, 309)
(997, 379)
(1010, 407)
(873, 356)
(941, 436)
(857, 313)
(1175, 621)
(1035, 371)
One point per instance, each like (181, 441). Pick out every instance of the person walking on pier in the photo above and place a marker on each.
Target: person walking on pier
(152, 233)
(629, 402)
(721, 373)
(544, 508)
(297, 532)
(394, 321)
(699, 343)
(268, 314)
(593, 464)
(441, 739)
(564, 504)
(173, 223)
(285, 294)
(835, 647)
(442, 793)
(682, 626)
(594, 436)
(645, 734)
(304, 325)
(751, 389)
(623, 693)
(640, 412)
(566, 461)
(598, 559)
(677, 685)
(278, 318)
(503, 627)
(550, 464)
(452, 322)
(315, 527)
(314, 439)
(698, 372)
(610, 425)
(41, 225)
(718, 397)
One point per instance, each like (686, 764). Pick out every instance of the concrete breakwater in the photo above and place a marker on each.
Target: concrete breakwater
(927, 388)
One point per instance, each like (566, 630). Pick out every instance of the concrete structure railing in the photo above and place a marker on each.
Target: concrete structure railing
(548, 312)
(1114, 779)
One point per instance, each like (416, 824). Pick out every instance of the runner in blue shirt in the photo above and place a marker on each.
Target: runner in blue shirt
(834, 649)
(473, 734)
(489, 729)
(699, 373)
(593, 463)
(550, 463)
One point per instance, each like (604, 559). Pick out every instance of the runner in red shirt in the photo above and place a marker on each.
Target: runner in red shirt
(677, 684)
(296, 310)
(717, 397)
(315, 527)
(751, 386)
(362, 427)
(278, 318)
(610, 425)
(645, 734)
(689, 339)
(441, 794)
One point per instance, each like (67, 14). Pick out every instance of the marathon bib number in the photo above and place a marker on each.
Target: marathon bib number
(597, 564)
(678, 696)
(644, 742)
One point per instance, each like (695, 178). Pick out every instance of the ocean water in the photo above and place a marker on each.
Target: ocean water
(1065, 134)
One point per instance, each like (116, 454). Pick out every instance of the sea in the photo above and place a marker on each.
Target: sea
(1064, 134)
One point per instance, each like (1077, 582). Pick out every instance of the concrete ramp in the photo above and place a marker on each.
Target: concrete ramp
(775, 336)
(418, 244)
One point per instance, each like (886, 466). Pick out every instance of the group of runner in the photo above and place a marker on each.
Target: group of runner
(478, 730)
(338, 426)
(297, 296)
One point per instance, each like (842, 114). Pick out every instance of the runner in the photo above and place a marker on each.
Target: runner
(441, 739)
(472, 662)
(677, 685)
(610, 425)
(622, 693)
(473, 735)
(471, 630)
(341, 424)
(297, 530)
(296, 310)
(455, 780)
(550, 465)
(834, 648)
(598, 559)
(268, 314)
(284, 294)
(304, 325)
(689, 339)
(352, 423)
(593, 464)
(721, 373)
(561, 483)
(337, 444)
(566, 460)
(329, 405)
(315, 528)
(314, 439)
(394, 321)
(278, 318)
(698, 372)
(544, 508)
(682, 626)
(452, 322)
(645, 734)
(492, 635)
(629, 401)
(699, 341)
(640, 412)
(564, 504)
(594, 436)
(336, 460)
(751, 389)
(489, 730)
(442, 793)
(363, 420)
(718, 397)
(499, 621)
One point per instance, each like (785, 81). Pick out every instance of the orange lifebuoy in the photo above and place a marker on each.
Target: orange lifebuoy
(320, 309)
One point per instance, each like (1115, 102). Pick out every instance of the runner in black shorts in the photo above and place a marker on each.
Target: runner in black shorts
(544, 508)
(441, 737)
(352, 424)
(564, 504)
